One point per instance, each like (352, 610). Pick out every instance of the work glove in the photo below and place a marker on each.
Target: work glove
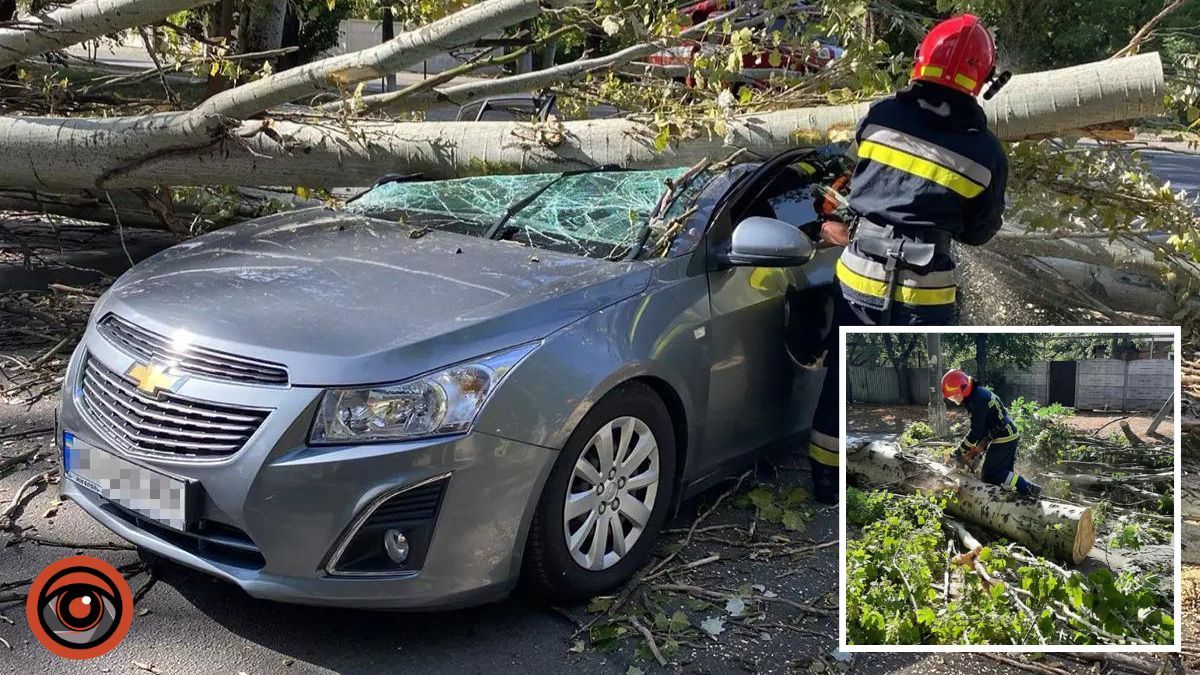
(967, 456)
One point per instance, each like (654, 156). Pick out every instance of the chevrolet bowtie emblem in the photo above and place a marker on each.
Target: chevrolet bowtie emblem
(153, 378)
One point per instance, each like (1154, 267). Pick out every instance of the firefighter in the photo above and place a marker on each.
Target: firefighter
(929, 171)
(992, 434)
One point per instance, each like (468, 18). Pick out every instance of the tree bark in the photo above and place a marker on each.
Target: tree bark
(937, 404)
(57, 153)
(264, 27)
(981, 356)
(1051, 528)
(83, 20)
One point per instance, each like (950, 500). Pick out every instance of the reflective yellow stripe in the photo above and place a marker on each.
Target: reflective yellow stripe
(1011, 437)
(964, 81)
(917, 166)
(877, 271)
(824, 440)
(1011, 481)
(822, 455)
(905, 294)
(931, 71)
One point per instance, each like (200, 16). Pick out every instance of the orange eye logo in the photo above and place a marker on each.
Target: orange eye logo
(79, 607)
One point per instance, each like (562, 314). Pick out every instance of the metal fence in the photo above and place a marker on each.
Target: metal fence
(1090, 384)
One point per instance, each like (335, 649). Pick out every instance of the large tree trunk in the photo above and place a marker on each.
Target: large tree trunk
(1051, 528)
(83, 20)
(55, 153)
(264, 27)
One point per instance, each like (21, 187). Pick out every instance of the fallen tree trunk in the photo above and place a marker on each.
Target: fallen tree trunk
(1086, 479)
(82, 20)
(1052, 528)
(55, 153)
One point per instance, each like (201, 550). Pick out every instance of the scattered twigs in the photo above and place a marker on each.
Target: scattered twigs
(7, 464)
(82, 546)
(10, 513)
(24, 433)
(649, 640)
(1022, 664)
(709, 594)
(658, 569)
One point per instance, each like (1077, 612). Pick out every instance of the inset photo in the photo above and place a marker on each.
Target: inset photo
(1011, 490)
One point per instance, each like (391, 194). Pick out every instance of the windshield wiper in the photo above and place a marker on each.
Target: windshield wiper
(498, 229)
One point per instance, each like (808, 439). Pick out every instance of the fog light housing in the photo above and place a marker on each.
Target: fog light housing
(396, 545)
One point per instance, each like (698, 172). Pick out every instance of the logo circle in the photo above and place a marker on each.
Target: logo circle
(79, 607)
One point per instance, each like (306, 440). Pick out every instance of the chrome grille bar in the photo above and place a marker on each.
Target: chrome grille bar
(195, 360)
(166, 425)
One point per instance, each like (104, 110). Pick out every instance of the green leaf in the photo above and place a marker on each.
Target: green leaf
(793, 520)
(926, 616)
(662, 139)
(600, 604)
(679, 621)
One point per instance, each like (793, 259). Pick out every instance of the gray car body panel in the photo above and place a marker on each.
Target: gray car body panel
(345, 300)
(342, 299)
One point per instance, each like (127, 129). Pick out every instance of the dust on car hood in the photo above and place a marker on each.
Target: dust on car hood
(345, 299)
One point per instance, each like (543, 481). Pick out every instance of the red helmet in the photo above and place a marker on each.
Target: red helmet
(956, 382)
(958, 53)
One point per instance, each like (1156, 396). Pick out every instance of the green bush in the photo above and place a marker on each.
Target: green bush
(915, 433)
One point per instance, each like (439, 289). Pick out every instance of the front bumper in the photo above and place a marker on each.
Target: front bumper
(295, 502)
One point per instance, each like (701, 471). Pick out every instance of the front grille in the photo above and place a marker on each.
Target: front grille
(194, 360)
(164, 425)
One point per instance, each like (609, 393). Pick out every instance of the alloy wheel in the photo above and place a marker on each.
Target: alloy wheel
(611, 493)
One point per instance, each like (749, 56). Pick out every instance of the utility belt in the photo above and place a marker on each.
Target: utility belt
(880, 265)
(919, 245)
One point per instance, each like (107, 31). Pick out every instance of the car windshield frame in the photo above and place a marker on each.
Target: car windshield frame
(601, 214)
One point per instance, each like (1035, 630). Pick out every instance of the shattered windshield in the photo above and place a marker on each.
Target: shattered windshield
(599, 214)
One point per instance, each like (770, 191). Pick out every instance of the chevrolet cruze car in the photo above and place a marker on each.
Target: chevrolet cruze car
(451, 386)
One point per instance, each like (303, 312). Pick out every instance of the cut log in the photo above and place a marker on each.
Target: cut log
(1132, 437)
(1051, 528)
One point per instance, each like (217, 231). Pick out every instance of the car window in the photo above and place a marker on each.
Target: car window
(599, 214)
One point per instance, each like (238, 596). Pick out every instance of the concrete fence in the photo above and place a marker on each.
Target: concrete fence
(881, 384)
(1090, 384)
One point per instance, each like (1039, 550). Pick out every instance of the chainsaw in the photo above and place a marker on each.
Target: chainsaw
(968, 460)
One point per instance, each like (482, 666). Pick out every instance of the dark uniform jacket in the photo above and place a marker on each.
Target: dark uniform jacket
(929, 168)
(989, 418)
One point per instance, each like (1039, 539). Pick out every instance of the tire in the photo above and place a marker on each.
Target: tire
(550, 567)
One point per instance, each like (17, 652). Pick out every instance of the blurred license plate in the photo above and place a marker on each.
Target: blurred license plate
(148, 493)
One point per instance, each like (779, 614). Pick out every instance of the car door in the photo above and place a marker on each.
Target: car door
(759, 394)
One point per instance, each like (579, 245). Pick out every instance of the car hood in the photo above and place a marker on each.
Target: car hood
(345, 299)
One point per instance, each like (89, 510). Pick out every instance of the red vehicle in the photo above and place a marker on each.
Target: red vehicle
(756, 67)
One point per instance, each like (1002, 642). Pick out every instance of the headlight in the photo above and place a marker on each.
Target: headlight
(445, 402)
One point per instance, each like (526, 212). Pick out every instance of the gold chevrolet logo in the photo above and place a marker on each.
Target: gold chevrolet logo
(153, 377)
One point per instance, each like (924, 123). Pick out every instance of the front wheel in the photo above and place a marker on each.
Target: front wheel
(606, 499)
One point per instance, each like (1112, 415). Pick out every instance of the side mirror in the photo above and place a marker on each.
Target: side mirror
(767, 242)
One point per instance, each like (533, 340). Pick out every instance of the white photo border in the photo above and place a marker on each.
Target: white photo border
(1173, 331)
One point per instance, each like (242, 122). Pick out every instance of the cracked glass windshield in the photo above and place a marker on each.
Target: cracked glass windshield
(600, 214)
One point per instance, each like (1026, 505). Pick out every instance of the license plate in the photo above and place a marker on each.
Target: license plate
(148, 493)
